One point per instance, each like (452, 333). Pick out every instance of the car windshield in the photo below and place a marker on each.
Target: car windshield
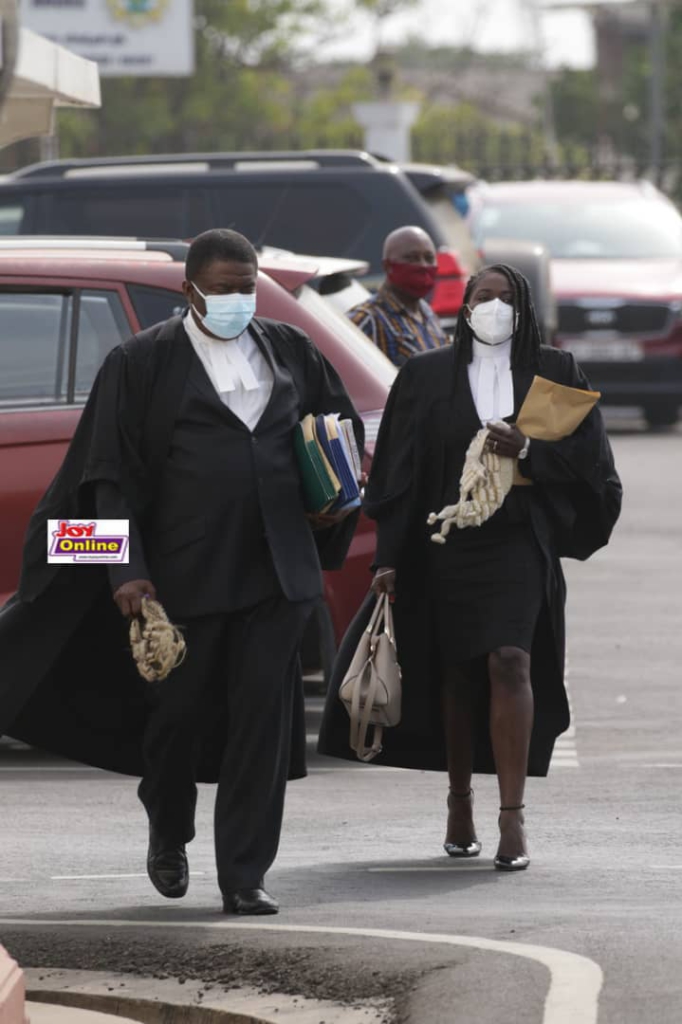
(444, 205)
(635, 229)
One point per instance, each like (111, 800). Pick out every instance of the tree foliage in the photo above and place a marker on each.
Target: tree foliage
(612, 120)
(238, 98)
(250, 91)
(386, 8)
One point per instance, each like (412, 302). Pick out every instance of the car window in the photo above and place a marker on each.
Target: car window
(138, 210)
(35, 342)
(152, 305)
(12, 213)
(102, 324)
(303, 216)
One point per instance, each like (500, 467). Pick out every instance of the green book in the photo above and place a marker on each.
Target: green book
(320, 484)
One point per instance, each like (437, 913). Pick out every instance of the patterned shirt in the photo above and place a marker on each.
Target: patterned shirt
(394, 329)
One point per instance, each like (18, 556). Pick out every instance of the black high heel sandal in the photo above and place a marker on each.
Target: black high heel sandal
(471, 849)
(518, 863)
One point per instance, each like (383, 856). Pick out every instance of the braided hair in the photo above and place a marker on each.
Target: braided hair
(526, 339)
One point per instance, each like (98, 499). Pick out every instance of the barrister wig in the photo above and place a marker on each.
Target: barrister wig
(219, 244)
(527, 337)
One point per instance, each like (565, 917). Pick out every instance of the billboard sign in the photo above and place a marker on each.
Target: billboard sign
(124, 37)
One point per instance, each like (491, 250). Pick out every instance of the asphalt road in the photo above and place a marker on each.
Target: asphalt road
(361, 847)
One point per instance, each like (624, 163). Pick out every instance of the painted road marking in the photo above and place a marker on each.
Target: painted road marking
(574, 985)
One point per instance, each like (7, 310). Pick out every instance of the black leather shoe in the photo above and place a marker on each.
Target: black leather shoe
(167, 868)
(249, 901)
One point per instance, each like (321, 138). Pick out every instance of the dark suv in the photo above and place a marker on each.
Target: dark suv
(333, 203)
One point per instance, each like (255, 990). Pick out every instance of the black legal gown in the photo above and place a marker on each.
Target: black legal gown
(458, 602)
(67, 679)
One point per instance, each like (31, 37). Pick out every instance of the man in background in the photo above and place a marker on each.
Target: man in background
(398, 318)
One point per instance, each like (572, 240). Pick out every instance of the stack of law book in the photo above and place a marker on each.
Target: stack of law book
(329, 463)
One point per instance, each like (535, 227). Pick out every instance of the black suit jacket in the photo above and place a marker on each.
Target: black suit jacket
(226, 526)
(125, 438)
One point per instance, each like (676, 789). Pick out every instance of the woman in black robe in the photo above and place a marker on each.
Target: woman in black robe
(480, 620)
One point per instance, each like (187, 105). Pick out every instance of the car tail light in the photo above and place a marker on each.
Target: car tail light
(448, 295)
(371, 422)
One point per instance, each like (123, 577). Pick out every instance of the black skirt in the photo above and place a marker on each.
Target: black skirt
(487, 586)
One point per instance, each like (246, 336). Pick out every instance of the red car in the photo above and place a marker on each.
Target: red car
(65, 303)
(616, 271)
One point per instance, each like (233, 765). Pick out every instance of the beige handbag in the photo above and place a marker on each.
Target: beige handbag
(371, 688)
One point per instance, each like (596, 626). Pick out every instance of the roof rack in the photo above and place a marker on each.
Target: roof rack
(204, 162)
(177, 250)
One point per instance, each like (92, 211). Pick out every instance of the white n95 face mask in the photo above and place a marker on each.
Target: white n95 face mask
(492, 322)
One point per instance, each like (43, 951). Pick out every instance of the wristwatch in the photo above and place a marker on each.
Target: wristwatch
(523, 454)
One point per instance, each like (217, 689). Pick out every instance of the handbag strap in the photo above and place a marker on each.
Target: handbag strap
(373, 627)
(381, 621)
(360, 721)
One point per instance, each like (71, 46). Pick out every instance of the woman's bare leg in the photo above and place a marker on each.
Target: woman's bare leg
(511, 723)
(458, 722)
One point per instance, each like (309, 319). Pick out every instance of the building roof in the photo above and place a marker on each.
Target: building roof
(46, 76)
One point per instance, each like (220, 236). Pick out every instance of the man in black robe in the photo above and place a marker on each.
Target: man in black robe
(188, 434)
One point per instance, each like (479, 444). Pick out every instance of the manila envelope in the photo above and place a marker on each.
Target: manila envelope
(551, 412)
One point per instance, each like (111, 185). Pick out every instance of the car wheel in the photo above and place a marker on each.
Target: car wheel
(659, 416)
(533, 260)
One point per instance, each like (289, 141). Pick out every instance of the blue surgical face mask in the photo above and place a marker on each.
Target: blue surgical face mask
(227, 316)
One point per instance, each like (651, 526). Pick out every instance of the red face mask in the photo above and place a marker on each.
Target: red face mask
(412, 278)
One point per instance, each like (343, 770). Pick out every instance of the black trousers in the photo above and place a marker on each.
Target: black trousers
(242, 668)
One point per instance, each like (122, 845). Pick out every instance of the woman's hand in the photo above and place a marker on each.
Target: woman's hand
(505, 440)
(384, 581)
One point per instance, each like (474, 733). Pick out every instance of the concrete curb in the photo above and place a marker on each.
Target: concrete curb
(172, 1001)
(61, 1008)
(12, 990)
(49, 1013)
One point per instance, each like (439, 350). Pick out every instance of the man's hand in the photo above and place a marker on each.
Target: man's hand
(505, 440)
(321, 520)
(384, 581)
(128, 598)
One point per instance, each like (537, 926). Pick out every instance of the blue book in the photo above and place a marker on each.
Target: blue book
(334, 443)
